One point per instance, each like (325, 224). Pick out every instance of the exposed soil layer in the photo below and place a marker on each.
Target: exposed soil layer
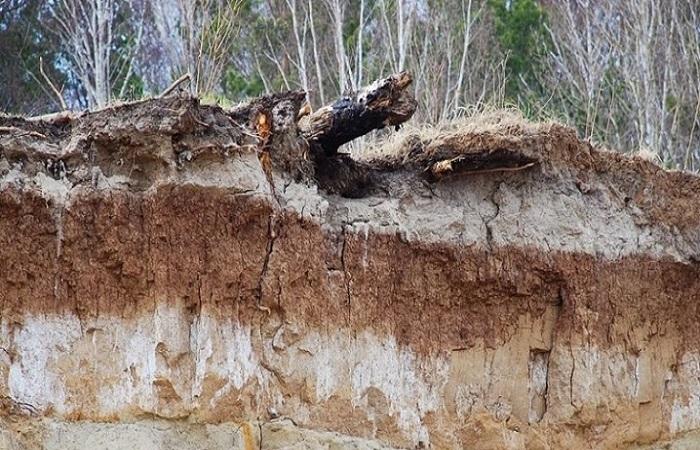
(171, 261)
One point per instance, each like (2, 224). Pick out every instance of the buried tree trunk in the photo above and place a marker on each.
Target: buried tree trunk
(386, 102)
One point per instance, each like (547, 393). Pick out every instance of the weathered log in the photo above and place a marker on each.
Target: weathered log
(386, 102)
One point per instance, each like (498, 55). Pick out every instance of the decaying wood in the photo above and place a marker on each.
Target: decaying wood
(386, 102)
(21, 132)
(58, 118)
(442, 168)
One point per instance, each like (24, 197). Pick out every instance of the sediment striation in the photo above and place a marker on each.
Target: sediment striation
(172, 278)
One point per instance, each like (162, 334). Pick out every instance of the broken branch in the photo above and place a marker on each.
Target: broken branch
(481, 162)
(56, 92)
(386, 102)
(185, 78)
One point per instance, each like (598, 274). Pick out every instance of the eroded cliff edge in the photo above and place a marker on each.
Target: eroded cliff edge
(169, 273)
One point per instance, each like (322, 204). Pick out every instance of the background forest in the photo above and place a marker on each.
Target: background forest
(625, 73)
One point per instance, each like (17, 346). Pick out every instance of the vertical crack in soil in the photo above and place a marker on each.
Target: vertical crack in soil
(488, 219)
(346, 276)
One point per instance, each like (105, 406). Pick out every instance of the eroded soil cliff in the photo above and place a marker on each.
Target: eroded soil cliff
(173, 277)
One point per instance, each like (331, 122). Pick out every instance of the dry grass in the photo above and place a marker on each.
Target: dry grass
(386, 147)
(648, 154)
(477, 121)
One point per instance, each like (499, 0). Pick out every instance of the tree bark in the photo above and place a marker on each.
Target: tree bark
(386, 102)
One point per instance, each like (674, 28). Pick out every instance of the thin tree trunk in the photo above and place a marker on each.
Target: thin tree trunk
(317, 60)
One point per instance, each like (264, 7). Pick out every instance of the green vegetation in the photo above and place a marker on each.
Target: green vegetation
(520, 31)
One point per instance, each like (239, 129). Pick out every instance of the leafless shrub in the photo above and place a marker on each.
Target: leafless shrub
(198, 36)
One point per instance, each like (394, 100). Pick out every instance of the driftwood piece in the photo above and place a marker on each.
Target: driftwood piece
(386, 102)
(58, 118)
